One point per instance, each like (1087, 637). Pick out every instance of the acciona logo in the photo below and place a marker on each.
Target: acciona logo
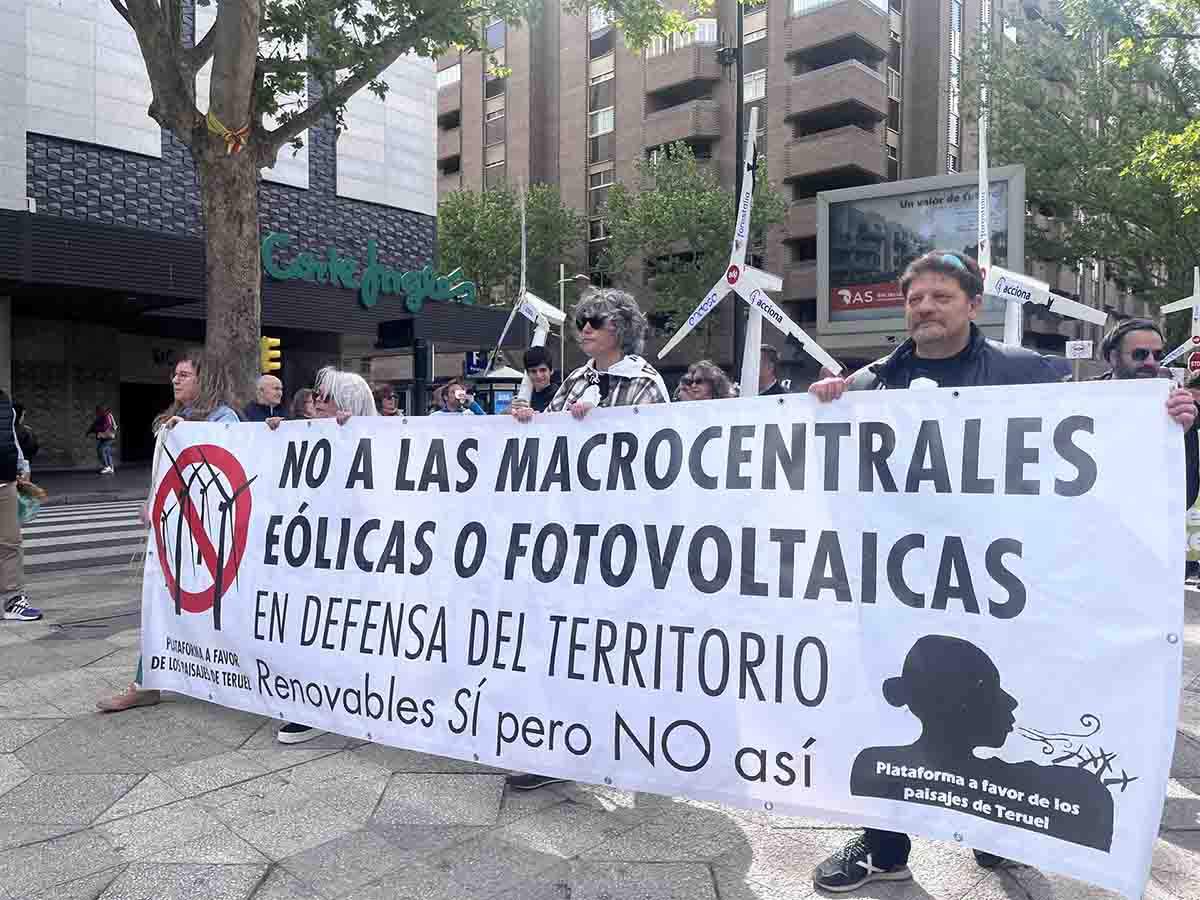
(1006, 288)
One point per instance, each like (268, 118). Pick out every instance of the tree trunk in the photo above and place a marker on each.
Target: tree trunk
(232, 265)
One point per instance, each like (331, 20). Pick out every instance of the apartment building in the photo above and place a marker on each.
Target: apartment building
(850, 93)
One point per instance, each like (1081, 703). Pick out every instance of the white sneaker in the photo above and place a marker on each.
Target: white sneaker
(107, 470)
(17, 609)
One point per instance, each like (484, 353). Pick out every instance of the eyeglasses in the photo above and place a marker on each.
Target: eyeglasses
(951, 260)
(182, 376)
(1141, 354)
(597, 322)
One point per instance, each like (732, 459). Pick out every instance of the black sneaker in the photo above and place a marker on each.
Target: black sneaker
(532, 782)
(855, 865)
(295, 733)
(988, 860)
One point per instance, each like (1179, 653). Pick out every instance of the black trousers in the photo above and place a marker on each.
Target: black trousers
(891, 848)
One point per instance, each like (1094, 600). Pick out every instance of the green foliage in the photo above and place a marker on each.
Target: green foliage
(481, 232)
(1082, 126)
(679, 219)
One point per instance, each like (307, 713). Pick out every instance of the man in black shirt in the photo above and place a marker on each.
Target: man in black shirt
(943, 294)
(768, 372)
(539, 366)
(268, 400)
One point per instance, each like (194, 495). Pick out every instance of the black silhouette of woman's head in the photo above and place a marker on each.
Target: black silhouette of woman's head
(954, 689)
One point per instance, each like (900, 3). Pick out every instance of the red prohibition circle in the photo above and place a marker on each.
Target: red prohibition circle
(225, 462)
(733, 274)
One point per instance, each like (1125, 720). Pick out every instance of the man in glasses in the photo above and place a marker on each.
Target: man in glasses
(943, 294)
(1133, 349)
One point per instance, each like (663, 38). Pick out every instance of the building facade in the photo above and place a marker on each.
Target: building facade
(101, 240)
(850, 93)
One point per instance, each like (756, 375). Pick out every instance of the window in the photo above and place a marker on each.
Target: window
(601, 94)
(449, 76)
(600, 44)
(893, 119)
(493, 176)
(804, 7)
(893, 170)
(704, 31)
(597, 230)
(600, 122)
(598, 185)
(493, 128)
(493, 155)
(1009, 27)
(494, 35)
(754, 86)
(894, 55)
(493, 87)
(894, 84)
(752, 36)
(451, 165)
(598, 19)
(803, 250)
(602, 148)
(951, 162)
(952, 130)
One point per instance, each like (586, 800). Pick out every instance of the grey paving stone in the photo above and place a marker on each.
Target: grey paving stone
(24, 871)
(441, 800)
(416, 841)
(89, 887)
(154, 881)
(12, 772)
(565, 830)
(294, 831)
(333, 769)
(417, 881)
(345, 864)
(781, 861)
(231, 727)
(16, 733)
(255, 800)
(264, 738)
(1189, 714)
(64, 799)
(14, 835)
(493, 862)
(1186, 762)
(1174, 868)
(357, 799)
(551, 884)
(282, 885)
(210, 773)
(1181, 812)
(683, 839)
(279, 757)
(219, 846)
(149, 793)
(641, 881)
(516, 805)
(137, 836)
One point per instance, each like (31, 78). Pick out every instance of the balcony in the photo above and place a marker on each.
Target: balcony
(697, 119)
(695, 63)
(801, 219)
(828, 23)
(848, 82)
(449, 143)
(800, 281)
(449, 99)
(846, 148)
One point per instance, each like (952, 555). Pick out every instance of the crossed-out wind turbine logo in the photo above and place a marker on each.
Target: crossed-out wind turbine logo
(201, 520)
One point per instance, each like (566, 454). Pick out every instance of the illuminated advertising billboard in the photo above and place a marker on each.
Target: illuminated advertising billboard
(867, 236)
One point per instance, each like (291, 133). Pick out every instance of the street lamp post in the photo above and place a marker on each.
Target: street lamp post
(563, 281)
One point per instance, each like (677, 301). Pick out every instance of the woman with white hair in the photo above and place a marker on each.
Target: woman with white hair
(611, 330)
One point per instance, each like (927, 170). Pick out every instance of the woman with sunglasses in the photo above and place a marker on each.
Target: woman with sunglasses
(704, 381)
(611, 331)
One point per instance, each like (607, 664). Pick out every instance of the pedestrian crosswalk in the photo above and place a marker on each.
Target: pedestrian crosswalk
(84, 537)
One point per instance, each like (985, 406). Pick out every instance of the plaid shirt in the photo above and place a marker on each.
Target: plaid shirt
(631, 382)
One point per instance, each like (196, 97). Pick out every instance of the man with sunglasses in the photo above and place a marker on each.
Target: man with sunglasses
(943, 294)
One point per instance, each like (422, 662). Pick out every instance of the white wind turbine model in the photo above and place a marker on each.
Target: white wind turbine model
(750, 285)
(1013, 288)
(533, 308)
(1192, 303)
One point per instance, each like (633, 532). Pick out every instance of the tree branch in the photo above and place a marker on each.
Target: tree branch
(386, 54)
(1169, 36)
(197, 56)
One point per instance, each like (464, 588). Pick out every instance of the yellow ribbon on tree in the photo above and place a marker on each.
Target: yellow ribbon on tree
(234, 140)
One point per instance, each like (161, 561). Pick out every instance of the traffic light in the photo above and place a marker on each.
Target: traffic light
(268, 356)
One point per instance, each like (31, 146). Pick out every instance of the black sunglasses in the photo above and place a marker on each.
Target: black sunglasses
(1141, 354)
(597, 322)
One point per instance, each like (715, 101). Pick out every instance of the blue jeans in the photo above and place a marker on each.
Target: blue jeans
(104, 453)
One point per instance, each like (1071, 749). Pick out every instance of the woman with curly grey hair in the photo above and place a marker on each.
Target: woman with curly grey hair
(704, 381)
(611, 331)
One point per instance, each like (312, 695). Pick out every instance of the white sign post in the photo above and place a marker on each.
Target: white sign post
(751, 285)
(1013, 288)
(533, 308)
(1192, 303)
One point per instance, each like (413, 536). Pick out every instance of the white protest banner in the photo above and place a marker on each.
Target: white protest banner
(917, 610)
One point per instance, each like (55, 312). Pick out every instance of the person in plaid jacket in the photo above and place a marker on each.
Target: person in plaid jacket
(611, 330)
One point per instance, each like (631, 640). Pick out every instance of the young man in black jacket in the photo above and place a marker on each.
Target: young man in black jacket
(943, 293)
(539, 366)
